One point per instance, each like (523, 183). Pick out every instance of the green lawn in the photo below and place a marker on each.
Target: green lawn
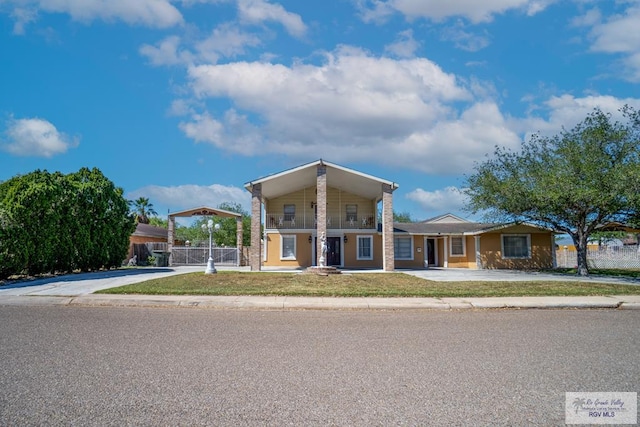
(358, 285)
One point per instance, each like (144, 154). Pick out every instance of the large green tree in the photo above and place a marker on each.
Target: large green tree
(50, 222)
(572, 182)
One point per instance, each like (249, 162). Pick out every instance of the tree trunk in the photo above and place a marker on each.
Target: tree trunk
(580, 241)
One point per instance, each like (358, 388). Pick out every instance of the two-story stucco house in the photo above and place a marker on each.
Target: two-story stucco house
(291, 210)
(321, 198)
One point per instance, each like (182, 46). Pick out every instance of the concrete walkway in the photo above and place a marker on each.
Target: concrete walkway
(77, 290)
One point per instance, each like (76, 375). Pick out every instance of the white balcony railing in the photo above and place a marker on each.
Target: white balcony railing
(308, 222)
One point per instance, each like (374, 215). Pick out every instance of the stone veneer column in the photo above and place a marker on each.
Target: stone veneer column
(388, 255)
(255, 252)
(239, 240)
(171, 237)
(321, 226)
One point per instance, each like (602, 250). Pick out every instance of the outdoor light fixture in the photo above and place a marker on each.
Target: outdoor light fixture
(310, 239)
(211, 268)
(345, 238)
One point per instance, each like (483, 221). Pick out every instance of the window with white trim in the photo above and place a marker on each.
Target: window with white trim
(403, 247)
(288, 247)
(365, 248)
(289, 212)
(516, 246)
(457, 246)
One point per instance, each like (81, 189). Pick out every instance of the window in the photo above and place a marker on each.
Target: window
(457, 246)
(365, 247)
(352, 213)
(288, 249)
(516, 246)
(403, 247)
(289, 212)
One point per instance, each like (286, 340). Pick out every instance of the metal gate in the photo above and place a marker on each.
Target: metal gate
(199, 255)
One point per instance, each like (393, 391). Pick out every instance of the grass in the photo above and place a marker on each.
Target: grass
(358, 285)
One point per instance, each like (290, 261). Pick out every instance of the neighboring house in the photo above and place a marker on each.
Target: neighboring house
(144, 234)
(321, 198)
(299, 205)
(452, 242)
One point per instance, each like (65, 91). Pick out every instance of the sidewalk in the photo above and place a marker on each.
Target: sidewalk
(77, 290)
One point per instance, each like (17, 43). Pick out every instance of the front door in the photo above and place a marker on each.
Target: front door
(333, 251)
(431, 252)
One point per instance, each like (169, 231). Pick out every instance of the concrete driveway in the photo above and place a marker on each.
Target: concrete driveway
(464, 274)
(87, 283)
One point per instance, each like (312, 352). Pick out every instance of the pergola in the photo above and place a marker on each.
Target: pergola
(203, 211)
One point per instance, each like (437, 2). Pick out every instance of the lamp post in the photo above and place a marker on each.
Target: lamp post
(211, 269)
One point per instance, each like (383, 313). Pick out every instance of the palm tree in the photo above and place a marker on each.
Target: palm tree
(142, 209)
(578, 403)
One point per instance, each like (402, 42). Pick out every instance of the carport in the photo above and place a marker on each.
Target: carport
(203, 211)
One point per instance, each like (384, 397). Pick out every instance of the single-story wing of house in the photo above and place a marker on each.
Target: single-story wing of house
(452, 242)
(292, 211)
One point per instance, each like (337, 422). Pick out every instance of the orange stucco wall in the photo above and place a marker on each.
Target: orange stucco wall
(304, 251)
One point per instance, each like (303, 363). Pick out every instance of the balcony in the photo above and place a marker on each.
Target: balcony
(308, 222)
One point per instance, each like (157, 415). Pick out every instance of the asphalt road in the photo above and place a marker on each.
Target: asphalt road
(151, 366)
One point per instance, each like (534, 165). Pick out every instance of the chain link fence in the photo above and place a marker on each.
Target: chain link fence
(611, 257)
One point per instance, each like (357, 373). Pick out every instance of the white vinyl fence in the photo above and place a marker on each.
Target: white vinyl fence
(612, 257)
(187, 255)
(190, 255)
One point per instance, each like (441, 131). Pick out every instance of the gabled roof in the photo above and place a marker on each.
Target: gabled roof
(205, 211)
(446, 218)
(455, 228)
(147, 230)
(304, 176)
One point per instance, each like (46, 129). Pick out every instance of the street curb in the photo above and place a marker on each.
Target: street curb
(326, 303)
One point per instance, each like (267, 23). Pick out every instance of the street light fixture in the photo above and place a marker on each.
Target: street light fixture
(211, 268)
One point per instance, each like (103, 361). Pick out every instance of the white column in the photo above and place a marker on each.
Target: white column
(446, 252)
(478, 256)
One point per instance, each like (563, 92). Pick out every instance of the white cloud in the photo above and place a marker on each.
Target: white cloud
(182, 197)
(22, 17)
(464, 39)
(224, 41)
(567, 111)
(358, 107)
(167, 52)
(618, 35)
(259, 11)
(437, 10)
(151, 13)
(448, 199)
(35, 137)
(405, 46)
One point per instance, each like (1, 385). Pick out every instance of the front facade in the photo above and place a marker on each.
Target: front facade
(451, 242)
(296, 208)
(292, 210)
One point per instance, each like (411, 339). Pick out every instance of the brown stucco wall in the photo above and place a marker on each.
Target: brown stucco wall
(541, 253)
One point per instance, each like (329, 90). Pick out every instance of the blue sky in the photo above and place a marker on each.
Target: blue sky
(183, 101)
